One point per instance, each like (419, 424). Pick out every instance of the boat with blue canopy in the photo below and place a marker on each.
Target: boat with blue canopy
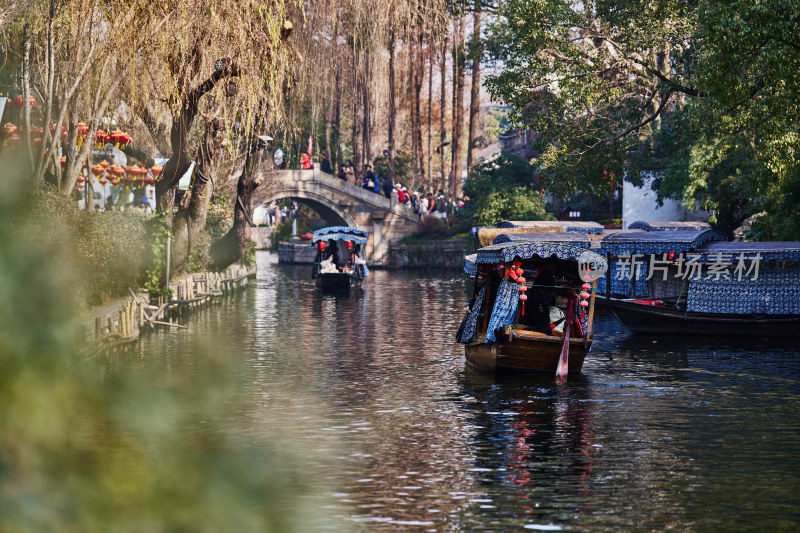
(706, 286)
(668, 226)
(532, 307)
(339, 264)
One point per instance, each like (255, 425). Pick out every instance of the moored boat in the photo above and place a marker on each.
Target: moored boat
(543, 325)
(708, 288)
(338, 264)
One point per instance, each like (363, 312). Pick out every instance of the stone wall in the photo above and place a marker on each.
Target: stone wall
(423, 254)
(430, 254)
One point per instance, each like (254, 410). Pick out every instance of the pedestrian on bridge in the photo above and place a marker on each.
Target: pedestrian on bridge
(326, 165)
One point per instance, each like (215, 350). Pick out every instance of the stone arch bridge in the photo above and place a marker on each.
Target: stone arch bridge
(339, 203)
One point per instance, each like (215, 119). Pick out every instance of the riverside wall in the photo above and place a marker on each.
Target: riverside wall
(447, 254)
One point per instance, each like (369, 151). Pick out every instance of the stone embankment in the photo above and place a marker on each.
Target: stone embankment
(123, 321)
(447, 254)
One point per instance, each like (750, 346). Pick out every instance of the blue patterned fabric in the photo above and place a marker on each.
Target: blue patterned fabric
(561, 237)
(629, 242)
(507, 252)
(471, 322)
(470, 268)
(366, 270)
(669, 226)
(775, 292)
(621, 286)
(505, 309)
(770, 251)
(344, 233)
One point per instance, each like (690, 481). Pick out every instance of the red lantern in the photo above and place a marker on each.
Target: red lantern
(349, 245)
(322, 246)
(63, 161)
(14, 139)
(102, 180)
(98, 170)
(81, 186)
(585, 295)
(584, 303)
(101, 138)
(83, 129)
(104, 163)
(586, 286)
(521, 279)
(125, 141)
(81, 179)
(156, 169)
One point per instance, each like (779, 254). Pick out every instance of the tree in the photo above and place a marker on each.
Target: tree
(504, 188)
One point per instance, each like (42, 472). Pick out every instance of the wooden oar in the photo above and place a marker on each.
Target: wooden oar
(563, 361)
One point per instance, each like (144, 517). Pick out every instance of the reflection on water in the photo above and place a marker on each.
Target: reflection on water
(398, 435)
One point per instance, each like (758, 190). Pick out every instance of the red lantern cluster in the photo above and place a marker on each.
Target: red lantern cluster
(19, 99)
(516, 272)
(586, 293)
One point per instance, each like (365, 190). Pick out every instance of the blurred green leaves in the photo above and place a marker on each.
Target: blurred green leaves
(92, 445)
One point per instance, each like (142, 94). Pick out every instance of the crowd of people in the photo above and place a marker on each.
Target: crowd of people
(438, 204)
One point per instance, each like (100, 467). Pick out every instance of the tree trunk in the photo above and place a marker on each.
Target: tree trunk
(391, 109)
(419, 78)
(430, 110)
(442, 110)
(232, 246)
(190, 222)
(357, 164)
(475, 95)
(367, 112)
(458, 108)
(336, 162)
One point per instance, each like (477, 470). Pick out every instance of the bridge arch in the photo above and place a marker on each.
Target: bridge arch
(332, 214)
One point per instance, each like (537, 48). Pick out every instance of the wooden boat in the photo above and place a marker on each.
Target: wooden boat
(663, 317)
(338, 265)
(497, 334)
(747, 288)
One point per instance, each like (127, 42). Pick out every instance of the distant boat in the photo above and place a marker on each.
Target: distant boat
(339, 264)
(531, 310)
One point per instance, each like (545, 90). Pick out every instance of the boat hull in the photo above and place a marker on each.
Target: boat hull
(522, 353)
(332, 281)
(647, 319)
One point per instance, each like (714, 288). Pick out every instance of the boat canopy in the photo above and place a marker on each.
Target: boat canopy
(565, 237)
(629, 242)
(770, 251)
(669, 226)
(470, 268)
(564, 225)
(509, 251)
(344, 233)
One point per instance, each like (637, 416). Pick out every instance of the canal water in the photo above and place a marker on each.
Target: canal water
(373, 414)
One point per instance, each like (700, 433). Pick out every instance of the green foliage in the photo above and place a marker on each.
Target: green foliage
(282, 232)
(219, 219)
(504, 188)
(708, 97)
(110, 248)
(87, 447)
(403, 166)
(249, 256)
(155, 275)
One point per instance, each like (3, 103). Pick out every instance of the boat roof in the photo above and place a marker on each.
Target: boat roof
(669, 226)
(470, 267)
(565, 237)
(345, 233)
(510, 251)
(770, 251)
(628, 242)
(565, 225)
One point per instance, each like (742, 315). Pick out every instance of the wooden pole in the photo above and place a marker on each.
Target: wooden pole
(588, 333)
(563, 361)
